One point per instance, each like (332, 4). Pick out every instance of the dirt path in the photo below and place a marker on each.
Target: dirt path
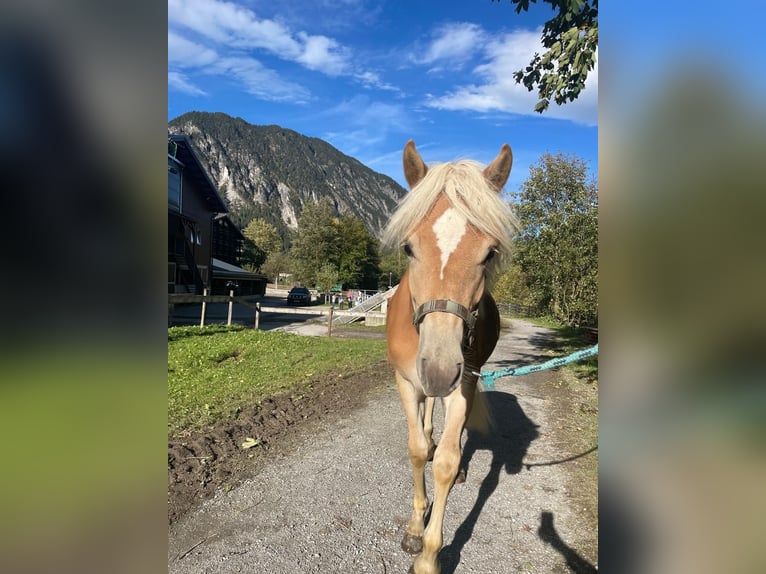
(334, 495)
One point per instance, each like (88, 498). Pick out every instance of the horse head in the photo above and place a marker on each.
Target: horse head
(450, 248)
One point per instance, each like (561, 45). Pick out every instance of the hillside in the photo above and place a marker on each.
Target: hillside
(272, 172)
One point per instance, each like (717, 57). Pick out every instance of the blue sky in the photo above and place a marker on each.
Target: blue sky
(366, 76)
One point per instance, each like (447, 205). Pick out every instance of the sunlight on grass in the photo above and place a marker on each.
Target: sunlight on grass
(212, 372)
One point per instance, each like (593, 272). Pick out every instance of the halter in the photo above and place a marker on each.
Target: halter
(448, 306)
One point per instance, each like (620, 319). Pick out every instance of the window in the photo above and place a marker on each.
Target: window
(174, 185)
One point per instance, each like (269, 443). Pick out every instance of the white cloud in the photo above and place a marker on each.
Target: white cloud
(179, 81)
(496, 89)
(259, 80)
(323, 54)
(237, 27)
(454, 42)
(185, 53)
(372, 80)
(215, 35)
(255, 79)
(233, 25)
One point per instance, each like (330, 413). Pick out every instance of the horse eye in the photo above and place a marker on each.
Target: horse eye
(489, 256)
(408, 250)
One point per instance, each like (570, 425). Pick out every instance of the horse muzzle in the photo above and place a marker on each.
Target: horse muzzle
(439, 378)
(441, 341)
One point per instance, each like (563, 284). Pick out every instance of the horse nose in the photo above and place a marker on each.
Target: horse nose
(439, 379)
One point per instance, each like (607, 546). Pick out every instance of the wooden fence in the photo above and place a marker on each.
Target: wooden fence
(591, 334)
(254, 302)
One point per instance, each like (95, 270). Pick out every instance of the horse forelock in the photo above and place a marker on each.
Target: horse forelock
(467, 190)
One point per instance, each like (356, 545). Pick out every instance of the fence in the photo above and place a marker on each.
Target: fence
(515, 309)
(589, 334)
(254, 302)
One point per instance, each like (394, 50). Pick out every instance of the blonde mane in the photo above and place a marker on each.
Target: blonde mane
(469, 192)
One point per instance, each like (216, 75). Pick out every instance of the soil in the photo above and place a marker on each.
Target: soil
(328, 488)
(201, 463)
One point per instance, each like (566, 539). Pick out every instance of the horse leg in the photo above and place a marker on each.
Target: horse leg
(445, 466)
(417, 445)
(428, 426)
(463, 467)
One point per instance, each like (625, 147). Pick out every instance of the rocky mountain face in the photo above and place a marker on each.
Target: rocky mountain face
(272, 172)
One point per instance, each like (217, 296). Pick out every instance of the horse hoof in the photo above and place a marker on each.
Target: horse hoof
(412, 544)
(460, 478)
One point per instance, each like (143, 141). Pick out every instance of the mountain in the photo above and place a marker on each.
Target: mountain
(272, 172)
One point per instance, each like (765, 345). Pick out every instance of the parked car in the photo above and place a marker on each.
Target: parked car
(299, 296)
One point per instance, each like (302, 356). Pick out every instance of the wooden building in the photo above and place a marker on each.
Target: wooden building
(204, 246)
(227, 253)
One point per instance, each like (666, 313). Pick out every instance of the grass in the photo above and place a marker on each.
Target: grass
(360, 327)
(216, 370)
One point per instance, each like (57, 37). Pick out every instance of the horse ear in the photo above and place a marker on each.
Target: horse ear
(414, 168)
(497, 172)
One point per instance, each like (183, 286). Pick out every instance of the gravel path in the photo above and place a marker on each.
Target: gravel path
(339, 500)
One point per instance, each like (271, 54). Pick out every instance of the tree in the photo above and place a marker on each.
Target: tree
(571, 39)
(392, 267)
(264, 235)
(317, 240)
(359, 261)
(253, 256)
(276, 263)
(511, 287)
(557, 247)
(327, 278)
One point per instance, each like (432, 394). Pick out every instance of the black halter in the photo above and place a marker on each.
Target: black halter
(448, 306)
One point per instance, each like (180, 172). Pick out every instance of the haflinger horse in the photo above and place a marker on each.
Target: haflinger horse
(442, 322)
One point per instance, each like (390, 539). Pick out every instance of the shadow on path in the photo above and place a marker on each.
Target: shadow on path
(547, 533)
(508, 440)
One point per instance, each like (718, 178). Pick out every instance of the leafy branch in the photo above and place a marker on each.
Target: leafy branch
(571, 40)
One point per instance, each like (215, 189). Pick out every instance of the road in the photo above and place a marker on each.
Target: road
(340, 499)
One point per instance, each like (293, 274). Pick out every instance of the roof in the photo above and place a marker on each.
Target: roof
(194, 170)
(226, 220)
(223, 269)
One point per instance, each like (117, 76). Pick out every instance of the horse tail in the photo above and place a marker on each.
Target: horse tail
(480, 417)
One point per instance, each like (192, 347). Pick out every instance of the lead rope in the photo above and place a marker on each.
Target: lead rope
(488, 377)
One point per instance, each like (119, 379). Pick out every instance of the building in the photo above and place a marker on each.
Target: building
(227, 253)
(204, 246)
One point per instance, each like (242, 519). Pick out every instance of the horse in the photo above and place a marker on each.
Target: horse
(442, 322)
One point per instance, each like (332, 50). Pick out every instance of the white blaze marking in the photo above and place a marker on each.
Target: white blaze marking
(449, 230)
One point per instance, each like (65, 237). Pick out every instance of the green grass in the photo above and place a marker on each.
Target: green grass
(360, 327)
(213, 371)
